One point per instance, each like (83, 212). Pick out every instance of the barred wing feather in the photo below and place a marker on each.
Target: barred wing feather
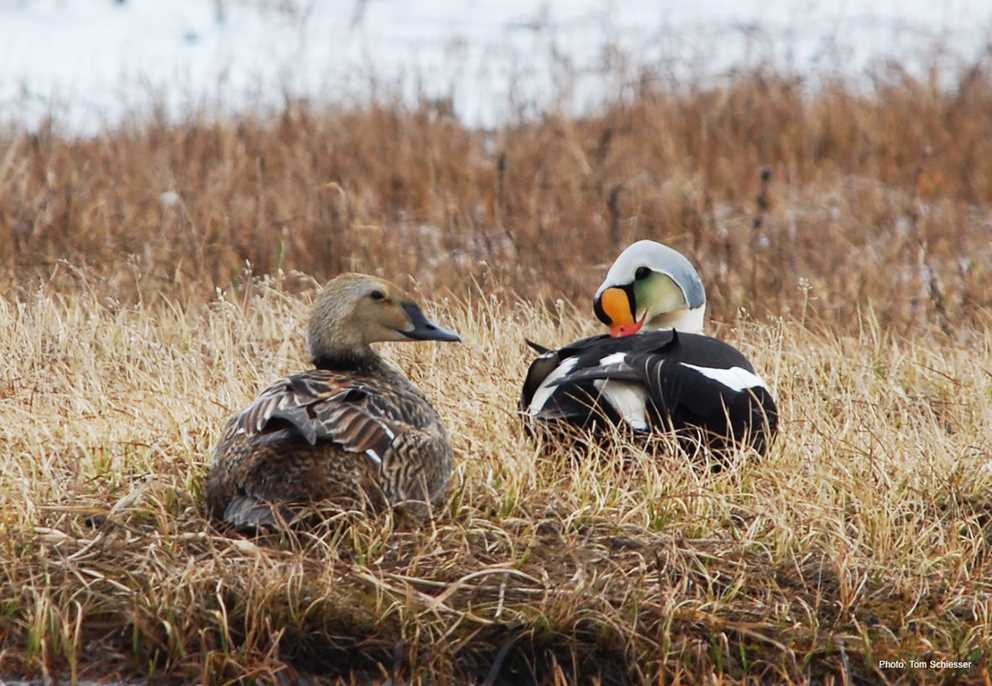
(322, 407)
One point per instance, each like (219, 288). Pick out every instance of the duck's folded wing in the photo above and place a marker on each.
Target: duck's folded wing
(670, 384)
(321, 407)
(346, 421)
(548, 367)
(613, 385)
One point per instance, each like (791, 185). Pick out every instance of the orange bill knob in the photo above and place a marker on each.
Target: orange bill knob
(615, 304)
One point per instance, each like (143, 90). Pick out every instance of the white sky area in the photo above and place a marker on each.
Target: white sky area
(95, 62)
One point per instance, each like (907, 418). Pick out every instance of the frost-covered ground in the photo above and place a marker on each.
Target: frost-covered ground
(94, 62)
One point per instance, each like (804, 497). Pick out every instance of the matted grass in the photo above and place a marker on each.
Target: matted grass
(864, 535)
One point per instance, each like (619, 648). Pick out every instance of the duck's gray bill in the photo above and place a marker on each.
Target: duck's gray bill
(424, 329)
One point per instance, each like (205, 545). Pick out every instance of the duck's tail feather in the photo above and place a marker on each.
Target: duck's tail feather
(246, 512)
(537, 347)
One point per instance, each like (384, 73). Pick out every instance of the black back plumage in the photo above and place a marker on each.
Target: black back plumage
(699, 386)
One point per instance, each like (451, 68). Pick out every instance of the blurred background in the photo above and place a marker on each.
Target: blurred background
(94, 62)
(814, 159)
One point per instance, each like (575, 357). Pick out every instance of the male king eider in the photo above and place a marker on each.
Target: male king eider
(655, 371)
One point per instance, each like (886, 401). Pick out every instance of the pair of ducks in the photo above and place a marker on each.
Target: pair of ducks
(355, 427)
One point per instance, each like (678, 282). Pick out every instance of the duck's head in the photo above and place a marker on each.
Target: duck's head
(650, 285)
(354, 310)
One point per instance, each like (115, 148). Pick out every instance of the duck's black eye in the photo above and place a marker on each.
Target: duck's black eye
(642, 273)
(377, 295)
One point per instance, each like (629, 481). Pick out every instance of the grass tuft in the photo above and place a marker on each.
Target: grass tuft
(862, 536)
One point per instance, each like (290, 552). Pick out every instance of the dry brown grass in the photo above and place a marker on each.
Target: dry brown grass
(864, 535)
(869, 194)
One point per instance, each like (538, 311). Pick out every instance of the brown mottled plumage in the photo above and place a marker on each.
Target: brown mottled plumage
(352, 428)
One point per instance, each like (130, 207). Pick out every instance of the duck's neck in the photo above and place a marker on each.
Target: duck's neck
(689, 321)
(361, 358)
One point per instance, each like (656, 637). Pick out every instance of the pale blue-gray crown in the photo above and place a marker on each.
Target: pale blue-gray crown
(660, 258)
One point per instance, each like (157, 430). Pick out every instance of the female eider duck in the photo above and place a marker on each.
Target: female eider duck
(655, 371)
(352, 427)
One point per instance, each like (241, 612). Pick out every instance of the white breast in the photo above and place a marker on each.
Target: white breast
(546, 389)
(628, 398)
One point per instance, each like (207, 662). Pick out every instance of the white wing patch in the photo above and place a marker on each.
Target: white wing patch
(615, 358)
(545, 390)
(736, 378)
(629, 399)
